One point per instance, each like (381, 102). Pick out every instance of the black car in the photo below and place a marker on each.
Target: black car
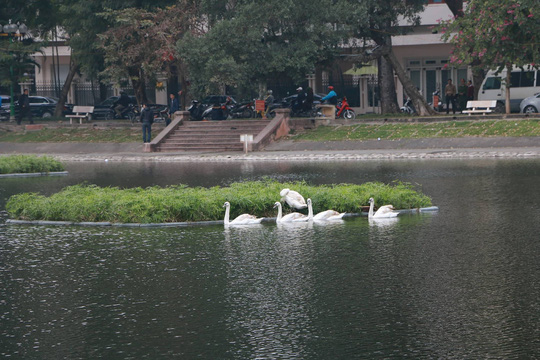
(4, 109)
(40, 106)
(289, 99)
(211, 100)
(104, 110)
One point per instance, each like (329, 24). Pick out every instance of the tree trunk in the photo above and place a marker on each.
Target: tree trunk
(508, 86)
(387, 87)
(478, 78)
(137, 81)
(420, 104)
(73, 69)
(456, 7)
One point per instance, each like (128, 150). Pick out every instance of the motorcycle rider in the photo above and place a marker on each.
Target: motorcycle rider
(121, 104)
(331, 97)
(269, 99)
(299, 101)
(308, 103)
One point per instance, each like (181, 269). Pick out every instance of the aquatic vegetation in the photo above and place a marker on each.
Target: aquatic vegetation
(182, 203)
(23, 164)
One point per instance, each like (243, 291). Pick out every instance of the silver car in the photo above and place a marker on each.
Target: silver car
(530, 105)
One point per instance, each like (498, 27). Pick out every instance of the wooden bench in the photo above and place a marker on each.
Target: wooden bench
(480, 107)
(81, 113)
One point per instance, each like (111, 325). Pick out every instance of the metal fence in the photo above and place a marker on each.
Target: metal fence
(88, 93)
(346, 86)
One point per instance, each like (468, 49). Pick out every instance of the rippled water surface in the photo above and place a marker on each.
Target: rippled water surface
(460, 283)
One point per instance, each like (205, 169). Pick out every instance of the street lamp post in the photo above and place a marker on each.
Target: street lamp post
(12, 30)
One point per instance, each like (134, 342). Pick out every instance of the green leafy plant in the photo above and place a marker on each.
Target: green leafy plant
(28, 164)
(181, 203)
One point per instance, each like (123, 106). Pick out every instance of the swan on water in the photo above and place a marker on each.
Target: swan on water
(293, 198)
(292, 217)
(244, 219)
(385, 211)
(328, 215)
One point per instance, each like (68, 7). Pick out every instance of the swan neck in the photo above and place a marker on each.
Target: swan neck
(226, 220)
(310, 211)
(370, 214)
(279, 213)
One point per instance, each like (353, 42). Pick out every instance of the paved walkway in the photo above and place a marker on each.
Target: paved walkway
(291, 150)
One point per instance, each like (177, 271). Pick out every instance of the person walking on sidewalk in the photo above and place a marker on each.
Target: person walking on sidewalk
(147, 119)
(24, 108)
(173, 107)
(450, 94)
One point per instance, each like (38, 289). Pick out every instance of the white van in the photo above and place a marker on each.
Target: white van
(524, 83)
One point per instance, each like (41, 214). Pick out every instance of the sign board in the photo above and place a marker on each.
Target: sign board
(259, 105)
(246, 137)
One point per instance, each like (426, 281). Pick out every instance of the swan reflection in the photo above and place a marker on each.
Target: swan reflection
(383, 222)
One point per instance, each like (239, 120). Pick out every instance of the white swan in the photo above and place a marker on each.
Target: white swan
(244, 219)
(293, 198)
(328, 215)
(292, 217)
(385, 211)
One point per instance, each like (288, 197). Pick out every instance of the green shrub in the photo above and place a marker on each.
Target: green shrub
(181, 203)
(24, 164)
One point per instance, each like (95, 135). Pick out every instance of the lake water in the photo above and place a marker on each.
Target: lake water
(463, 282)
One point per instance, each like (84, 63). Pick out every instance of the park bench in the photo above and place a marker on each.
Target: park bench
(480, 107)
(81, 112)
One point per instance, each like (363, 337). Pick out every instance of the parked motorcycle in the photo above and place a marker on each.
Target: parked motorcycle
(219, 111)
(408, 107)
(130, 112)
(244, 110)
(295, 111)
(344, 110)
(196, 111)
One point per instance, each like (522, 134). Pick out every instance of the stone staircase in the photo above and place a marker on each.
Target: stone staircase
(214, 136)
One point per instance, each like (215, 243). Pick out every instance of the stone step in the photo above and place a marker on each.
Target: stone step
(164, 147)
(225, 123)
(211, 135)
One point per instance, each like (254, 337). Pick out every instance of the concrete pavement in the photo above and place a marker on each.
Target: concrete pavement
(287, 150)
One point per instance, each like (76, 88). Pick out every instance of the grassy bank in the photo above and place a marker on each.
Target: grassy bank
(25, 164)
(181, 203)
(76, 134)
(357, 131)
(450, 129)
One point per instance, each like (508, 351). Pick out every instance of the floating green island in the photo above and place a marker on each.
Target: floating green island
(27, 164)
(180, 203)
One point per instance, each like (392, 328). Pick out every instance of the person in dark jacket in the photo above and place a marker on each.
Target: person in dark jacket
(147, 119)
(298, 103)
(24, 108)
(173, 107)
(308, 103)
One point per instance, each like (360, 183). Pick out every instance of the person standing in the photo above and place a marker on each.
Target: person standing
(173, 107)
(462, 98)
(147, 119)
(179, 98)
(450, 95)
(24, 108)
(470, 91)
